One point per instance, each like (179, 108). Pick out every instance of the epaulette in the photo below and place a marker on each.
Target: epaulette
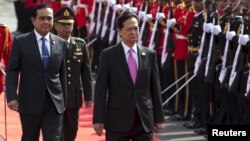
(78, 39)
(2, 25)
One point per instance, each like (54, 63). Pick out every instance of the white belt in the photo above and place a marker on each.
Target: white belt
(180, 37)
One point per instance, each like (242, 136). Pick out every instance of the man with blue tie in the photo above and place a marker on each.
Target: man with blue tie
(36, 71)
(127, 99)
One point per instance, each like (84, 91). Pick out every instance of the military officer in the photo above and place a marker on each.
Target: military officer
(79, 80)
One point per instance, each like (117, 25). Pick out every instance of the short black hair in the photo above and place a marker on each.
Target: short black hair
(38, 7)
(123, 17)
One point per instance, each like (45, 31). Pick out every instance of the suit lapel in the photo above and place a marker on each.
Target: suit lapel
(35, 48)
(52, 49)
(141, 54)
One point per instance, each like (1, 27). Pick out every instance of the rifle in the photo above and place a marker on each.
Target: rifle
(223, 67)
(98, 26)
(215, 21)
(233, 72)
(164, 52)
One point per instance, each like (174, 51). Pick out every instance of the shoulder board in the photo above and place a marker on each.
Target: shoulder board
(77, 39)
(2, 25)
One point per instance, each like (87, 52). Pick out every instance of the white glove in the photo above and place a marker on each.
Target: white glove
(230, 35)
(117, 7)
(159, 16)
(243, 39)
(216, 30)
(147, 17)
(111, 2)
(133, 9)
(170, 22)
(141, 14)
(125, 7)
(207, 27)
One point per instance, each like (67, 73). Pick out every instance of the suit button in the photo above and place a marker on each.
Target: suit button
(69, 82)
(69, 75)
(68, 61)
(68, 68)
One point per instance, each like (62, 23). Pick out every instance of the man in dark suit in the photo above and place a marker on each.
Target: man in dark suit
(78, 72)
(127, 99)
(37, 68)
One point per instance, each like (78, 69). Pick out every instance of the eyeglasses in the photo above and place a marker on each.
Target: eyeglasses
(44, 18)
(129, 30)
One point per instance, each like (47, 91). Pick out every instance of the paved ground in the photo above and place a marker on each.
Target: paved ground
(7, 14)
(173, 131)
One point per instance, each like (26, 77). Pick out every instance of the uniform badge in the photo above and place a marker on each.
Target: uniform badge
(77, 53)
(78, 49)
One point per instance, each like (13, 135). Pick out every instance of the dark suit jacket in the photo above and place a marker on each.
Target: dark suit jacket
(34, 79)
(78, 73)
(116, 98)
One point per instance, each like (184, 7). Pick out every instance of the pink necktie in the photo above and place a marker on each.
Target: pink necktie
(132, 65)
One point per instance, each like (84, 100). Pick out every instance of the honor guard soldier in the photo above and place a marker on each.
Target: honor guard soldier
(219, 32)
(181, 23)
(235, 28)
(79, 80)
(5, 46)
(83, 11)
(245, 82)
(194, 38)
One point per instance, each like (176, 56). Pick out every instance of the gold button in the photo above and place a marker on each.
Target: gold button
(69, 82)
(68, 68)
(69, 75)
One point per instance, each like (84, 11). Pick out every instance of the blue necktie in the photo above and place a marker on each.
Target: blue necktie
(45, 53)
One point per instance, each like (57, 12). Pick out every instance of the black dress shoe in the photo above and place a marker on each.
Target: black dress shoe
(201, 131)
(168, 112)
(177, 117)
(187, 123)
(193, 125)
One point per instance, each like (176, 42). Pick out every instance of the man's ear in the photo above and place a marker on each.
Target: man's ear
(32, 19)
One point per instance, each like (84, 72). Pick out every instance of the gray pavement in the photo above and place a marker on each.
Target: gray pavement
(172, 131)
(7, 14)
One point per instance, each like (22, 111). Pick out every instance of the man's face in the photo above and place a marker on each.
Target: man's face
(63, 30)
(130, 31)
(198, 6)
(43, 22)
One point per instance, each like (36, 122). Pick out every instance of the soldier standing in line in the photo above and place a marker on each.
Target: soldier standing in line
(167, 64)
(79, 80)
(219, 31)
(244, 41)
(82, 17)
(194, 39)
(232, 98)
(181, 24)
(5, 47)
